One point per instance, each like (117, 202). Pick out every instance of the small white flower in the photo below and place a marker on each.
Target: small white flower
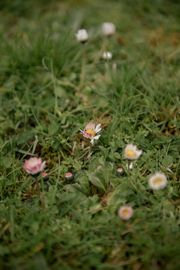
(107, 55)
(82, 35)
(125, 212)
(131, 152)
(91, 132)
(108, 28)
(120, 171)
(158, 181)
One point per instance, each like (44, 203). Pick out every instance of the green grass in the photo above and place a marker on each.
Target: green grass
(50, 88)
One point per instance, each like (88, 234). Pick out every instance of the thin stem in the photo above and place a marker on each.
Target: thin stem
(83, 67)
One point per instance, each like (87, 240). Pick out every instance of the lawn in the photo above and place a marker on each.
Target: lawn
(51, 87)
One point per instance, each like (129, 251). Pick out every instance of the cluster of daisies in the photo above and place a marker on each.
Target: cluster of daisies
(92, 133)
(156, 181)
(108, 29)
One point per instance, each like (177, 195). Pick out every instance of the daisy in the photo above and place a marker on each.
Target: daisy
(34, 165)
(108, 28)
(107, 55)
(125, 212)
(69, 176)
(91, 132)
(82, 35)
(131, 152)
(158, 181)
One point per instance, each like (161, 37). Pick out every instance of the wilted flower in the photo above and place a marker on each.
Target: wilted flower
(108, 28)
(158, 181)
(34, 165)
(107, 55)
(125, 212)
(82, 35)
(68, 176)
(131, 152)
(91, 132)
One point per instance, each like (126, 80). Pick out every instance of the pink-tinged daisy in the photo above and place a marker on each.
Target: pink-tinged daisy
(131, 152)
(125, 212)
(69, 176)
(108, 28)
(91, 132)
(34, 165)
(158, 181)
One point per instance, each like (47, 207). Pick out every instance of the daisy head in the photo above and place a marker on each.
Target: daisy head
(91, 131)
(131, 152)
(82, 35)
(158, 181)
(34, 165)
(108, 28)
(125, 212)
(69, 176)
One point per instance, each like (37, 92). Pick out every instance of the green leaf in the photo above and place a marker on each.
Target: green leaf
(96, 181)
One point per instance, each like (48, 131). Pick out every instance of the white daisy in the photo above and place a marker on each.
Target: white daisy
(131, 152)
(91, 132)
(82, 35)
(108, 28)
(158, 181)
(125, 212)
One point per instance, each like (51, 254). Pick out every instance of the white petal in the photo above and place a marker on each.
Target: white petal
(43, 165)
(90, 125)
(139, 152)
(92, 140)
(131, 165)
(97, 137)
(98, 128)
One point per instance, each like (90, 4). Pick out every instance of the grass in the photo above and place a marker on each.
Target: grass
(50, 88)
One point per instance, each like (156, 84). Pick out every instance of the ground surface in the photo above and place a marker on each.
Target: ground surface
(50, 88)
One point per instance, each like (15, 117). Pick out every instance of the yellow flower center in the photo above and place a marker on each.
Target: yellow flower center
(125, 212)
(157, 181)
(91, 132)
(130, 153)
